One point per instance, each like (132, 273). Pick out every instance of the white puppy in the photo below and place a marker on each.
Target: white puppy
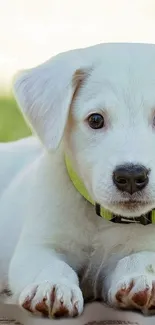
(96, 106)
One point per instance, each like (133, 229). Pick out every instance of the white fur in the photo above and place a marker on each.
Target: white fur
(48, 232)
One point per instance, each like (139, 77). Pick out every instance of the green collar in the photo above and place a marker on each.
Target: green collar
(77, 182)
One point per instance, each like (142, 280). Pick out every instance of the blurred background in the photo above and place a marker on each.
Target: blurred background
(32, 31)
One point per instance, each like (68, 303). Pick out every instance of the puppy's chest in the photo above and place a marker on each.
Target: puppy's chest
(116, 239)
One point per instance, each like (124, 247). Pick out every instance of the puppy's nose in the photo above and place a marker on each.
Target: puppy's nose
(130, 178)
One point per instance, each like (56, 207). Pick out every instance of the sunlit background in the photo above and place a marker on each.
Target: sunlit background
(31, 31)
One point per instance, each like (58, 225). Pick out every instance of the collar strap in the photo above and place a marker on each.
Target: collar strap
(145, 219)
(77, 182)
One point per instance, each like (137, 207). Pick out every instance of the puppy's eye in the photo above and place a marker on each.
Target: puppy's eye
(96, 121)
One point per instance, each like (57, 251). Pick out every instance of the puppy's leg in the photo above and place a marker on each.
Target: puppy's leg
(44, 283)
(132, 283)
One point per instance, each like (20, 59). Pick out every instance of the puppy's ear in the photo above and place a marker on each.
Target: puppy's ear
(45, 93)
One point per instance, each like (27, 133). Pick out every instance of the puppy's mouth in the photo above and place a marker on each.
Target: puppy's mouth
(130, 204)
(132, 207)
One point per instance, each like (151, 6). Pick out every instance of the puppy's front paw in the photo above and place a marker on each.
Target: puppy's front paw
(134, 292)
(52, 299)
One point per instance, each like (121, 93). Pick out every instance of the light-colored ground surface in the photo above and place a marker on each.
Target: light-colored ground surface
(31, 31)
(94, 314)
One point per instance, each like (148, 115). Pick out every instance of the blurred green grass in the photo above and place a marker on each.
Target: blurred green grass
(12, 124)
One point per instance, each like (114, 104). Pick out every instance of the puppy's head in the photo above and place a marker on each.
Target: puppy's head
(101, 101)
